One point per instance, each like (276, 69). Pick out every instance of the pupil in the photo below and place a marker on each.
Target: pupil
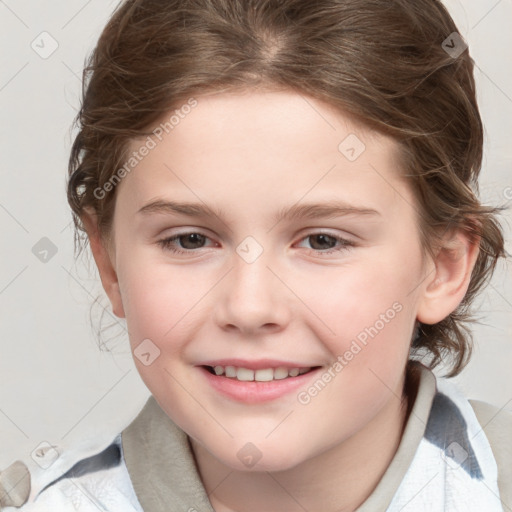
(323, 238)
(192, 236)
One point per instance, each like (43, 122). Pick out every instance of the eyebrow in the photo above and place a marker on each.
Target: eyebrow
(327, 209)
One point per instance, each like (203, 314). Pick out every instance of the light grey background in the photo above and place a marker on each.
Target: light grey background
(56, 385)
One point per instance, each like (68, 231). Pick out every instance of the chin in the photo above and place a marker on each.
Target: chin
(250, 458)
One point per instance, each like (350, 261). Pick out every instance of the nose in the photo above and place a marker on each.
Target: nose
(252, 298)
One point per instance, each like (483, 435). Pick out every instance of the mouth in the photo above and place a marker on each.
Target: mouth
(242, 374)
(252, 381)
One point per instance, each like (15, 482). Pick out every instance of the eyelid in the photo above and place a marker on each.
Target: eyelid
(325, 231)
(302, 233)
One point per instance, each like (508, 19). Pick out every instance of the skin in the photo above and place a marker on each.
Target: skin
(252, 154)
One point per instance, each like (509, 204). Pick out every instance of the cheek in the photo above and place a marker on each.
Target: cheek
(367, 313)
(161, 301)
(361, 293)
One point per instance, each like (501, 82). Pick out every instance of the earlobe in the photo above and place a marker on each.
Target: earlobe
(448, 282)
(103, 261)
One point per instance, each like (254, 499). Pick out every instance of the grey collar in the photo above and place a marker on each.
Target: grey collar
(161, 463)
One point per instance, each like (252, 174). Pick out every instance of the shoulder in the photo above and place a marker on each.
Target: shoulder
(84, 478)
(497, 424)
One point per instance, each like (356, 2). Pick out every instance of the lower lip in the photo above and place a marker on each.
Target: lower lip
(255, 391)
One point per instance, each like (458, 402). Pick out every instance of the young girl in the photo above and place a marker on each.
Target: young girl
(280, 197)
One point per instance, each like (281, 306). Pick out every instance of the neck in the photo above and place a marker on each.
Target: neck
(339, 479)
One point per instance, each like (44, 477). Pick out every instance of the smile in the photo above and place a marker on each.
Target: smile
(260, 375)
(265, 381)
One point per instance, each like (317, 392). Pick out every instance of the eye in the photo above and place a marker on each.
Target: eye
(188, 241)
(323, 243)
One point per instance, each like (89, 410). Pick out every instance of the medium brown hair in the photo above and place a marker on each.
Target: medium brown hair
(380, 61)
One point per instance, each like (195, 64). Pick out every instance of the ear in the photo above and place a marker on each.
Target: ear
(447, 284)
(103, 260)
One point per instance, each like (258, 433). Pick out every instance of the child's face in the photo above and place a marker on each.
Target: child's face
(256, 293)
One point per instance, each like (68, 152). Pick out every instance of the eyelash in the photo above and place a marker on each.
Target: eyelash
(166, 243)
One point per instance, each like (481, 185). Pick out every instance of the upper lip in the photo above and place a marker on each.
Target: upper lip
(259, 364)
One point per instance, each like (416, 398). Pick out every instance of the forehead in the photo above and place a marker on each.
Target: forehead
(265, 147)
(248, 119)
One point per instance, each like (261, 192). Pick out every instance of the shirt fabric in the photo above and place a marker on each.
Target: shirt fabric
(150, 466)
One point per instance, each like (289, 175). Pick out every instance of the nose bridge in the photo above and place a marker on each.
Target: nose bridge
(251, 277)
(252, 296)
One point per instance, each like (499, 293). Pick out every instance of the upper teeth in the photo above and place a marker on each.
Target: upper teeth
(264, 375)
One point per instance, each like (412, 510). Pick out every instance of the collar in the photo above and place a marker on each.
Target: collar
(164, 475)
